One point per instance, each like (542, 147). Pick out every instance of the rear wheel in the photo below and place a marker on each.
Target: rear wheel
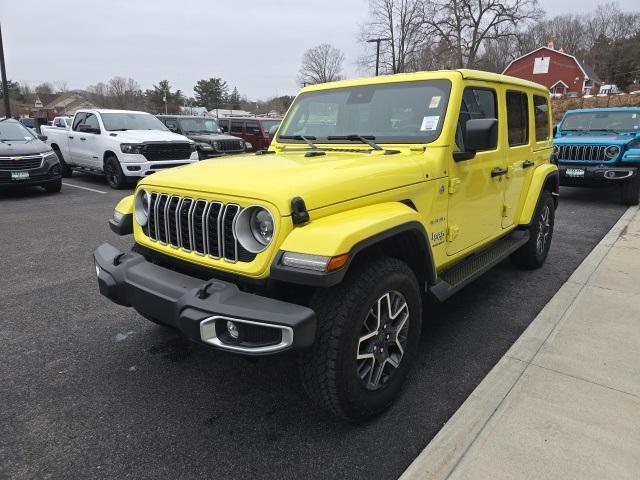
(114, 174)
(534, 253)
(630, 194)
(367, 337)
(64, 168)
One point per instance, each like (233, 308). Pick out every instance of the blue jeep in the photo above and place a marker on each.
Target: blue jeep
(600, 145)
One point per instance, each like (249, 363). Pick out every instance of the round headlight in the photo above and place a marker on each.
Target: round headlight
(141, 207)
(254, 228)
(555, 149)
(216, 145)
(612, 151)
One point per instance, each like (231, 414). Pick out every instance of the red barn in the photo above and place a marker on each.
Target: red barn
(560, 72)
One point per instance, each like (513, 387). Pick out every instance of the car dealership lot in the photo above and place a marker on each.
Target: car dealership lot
(91, 390)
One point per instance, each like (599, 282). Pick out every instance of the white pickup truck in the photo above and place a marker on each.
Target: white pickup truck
(123, 145)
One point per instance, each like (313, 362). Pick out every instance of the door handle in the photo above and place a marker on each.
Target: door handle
(70, 137)
(82, 138)
(496, 172)
(528, 163)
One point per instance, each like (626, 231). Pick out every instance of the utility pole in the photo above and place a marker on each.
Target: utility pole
(377, 42)
(5, 86)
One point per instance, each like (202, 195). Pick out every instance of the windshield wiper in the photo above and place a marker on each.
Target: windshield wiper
(119, 130)
(368, 139)
(304, 138)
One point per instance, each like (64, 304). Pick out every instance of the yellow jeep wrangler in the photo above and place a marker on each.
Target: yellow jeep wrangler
(374, 194)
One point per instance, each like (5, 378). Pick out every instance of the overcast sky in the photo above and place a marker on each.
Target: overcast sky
(253, 45)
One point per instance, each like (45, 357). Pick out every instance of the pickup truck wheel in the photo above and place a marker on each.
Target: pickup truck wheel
(630, 194)
(53, 187)
(534, 253)
(114, 174)
(65, 169)
(366, 340)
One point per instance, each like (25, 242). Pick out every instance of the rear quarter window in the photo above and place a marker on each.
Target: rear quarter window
(541, 117)
(518, 118)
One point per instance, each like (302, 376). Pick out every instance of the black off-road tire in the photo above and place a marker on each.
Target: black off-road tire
(65, 169)
(533, 254)
(329, 370)
(53, 187)
(630, 193)
(113, 172)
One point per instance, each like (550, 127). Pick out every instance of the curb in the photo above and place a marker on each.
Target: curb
(442, 455)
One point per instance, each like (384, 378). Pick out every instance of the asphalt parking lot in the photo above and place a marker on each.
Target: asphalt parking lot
(92, 390)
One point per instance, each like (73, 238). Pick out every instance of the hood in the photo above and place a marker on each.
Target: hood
(23, 148)
(139, 136)
(595, 138)
(278, 178)
(212, 137)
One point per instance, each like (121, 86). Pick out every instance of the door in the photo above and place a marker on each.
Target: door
(475, 185)
(237, 129)
(87, 143)
(518, 151)
(75, 154)
(254, 134)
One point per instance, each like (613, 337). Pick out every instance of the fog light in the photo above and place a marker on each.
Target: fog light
(232, 328)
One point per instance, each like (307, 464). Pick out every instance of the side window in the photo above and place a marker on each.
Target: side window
(253, 128)
(171, 124)
(224, 125)
(541, 118)
(92, 121)
(236, 126)
(517, 118)
(477, 102)
(79, 118)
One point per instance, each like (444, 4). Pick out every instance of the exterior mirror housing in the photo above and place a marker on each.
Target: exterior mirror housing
(481, 134)
(83, 127)
(42, 138)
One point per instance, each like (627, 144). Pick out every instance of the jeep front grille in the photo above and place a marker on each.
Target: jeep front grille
(199, 226)
(592, 153)
(230, 145)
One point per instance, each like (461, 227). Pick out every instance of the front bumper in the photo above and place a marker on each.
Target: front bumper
(201, 309)
(596, 174)
(144, 168)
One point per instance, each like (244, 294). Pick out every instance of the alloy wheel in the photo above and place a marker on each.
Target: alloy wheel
(383, 339)
(544, 228)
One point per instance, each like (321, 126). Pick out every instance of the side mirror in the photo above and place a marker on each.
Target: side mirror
(555, 130)
(481, 134)
(84, 128)
(42, 138)
(272, 132)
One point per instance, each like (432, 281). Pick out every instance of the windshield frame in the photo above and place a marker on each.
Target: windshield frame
(19, 125)
(162, 126)
(563, 128)
(445, 83)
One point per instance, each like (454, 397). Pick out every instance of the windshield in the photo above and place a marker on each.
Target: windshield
(199, 125)
(131, 121)
(14, 132)
(616, 121)
(269, 124)
(408, 112)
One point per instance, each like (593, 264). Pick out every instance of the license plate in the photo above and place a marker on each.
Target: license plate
(574, 172)
(19, 175)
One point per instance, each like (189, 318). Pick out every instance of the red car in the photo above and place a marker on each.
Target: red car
(252, 129)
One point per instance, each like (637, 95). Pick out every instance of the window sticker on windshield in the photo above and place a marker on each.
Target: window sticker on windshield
(435, 101)
(429, 123)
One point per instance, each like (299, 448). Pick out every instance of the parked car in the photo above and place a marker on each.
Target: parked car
(28, 122)
(58, 123)
(600, 146)
(205, 132)
(121, 144)
(254, 130)
(374, 193)
(25, 159)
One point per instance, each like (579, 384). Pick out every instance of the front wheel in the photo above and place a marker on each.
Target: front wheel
(53, 187)
(115, 177)
(533, 253)
(630, 194)
(366, 340)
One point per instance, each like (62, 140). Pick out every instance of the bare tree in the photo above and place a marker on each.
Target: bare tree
(61, 86)
(321, 64)
(401, 22)
(44, 87)
(608, 21)
(124, 93)
(463, 26)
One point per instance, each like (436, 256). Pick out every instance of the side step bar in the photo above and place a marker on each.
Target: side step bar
(455, 278)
